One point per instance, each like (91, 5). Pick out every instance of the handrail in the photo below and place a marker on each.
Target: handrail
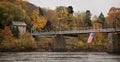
(34, 32)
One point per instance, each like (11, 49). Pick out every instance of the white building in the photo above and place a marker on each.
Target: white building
(21, 26)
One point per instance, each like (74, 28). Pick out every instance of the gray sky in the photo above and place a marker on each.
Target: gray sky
(95, 6)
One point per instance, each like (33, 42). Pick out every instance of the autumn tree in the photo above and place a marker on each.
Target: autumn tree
(50, 15)
(38, 21)
(62, 16)
(10, 12)
(16, 2)
(8, 41)
(83, 19)
(66, 20)
(97, 23)
(7, 0)
(113, 18)
(27, 42)
(80, 17)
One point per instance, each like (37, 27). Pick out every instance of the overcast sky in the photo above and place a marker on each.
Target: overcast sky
(95, 6)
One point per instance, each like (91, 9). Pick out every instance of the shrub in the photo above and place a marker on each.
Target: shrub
(8, 41)
(27, 42)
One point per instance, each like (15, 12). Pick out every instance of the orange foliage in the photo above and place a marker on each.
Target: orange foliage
(113, 18)
(10, 43)
(8, 40)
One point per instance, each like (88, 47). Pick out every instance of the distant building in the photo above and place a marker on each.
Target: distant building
(20, 25)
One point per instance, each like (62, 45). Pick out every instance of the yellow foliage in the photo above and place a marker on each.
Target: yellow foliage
(27, 41)
(98, 37)
(9, 44)
(38, 21)
(8, 41)
(80, 44)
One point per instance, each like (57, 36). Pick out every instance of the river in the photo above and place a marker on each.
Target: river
(58, 57)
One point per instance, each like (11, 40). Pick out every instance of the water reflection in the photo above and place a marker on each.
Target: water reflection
(58, 57)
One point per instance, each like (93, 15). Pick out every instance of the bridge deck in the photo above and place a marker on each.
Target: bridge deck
(77, 31)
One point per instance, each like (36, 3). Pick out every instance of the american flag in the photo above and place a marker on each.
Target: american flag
(90, 37)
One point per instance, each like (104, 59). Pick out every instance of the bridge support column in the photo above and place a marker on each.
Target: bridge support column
(113, 43)
(59, 43)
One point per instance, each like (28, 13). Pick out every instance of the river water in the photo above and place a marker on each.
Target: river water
(58, 57)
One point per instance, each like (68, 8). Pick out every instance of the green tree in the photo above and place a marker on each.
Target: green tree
(70, 10)
(88, 22)
(102, 19)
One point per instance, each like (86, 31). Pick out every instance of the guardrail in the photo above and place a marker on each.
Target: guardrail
(76, 31)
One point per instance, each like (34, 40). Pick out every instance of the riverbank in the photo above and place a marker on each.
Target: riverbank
(73, 43)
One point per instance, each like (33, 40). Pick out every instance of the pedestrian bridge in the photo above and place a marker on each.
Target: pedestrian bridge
(106, 30)
(59, 39)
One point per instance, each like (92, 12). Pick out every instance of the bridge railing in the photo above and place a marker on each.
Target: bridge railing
(88, 30)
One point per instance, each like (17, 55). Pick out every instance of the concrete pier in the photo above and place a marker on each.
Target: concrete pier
(59, 43)
(113, 43)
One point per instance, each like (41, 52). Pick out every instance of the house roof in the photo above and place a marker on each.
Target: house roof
(18, 23)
